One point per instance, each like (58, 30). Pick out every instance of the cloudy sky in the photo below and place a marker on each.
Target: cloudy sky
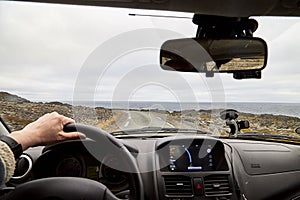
(51, 52)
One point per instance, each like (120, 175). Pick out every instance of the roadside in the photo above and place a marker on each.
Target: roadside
(18, 112)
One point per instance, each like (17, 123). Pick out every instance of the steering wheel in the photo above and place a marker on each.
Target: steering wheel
(71, 188)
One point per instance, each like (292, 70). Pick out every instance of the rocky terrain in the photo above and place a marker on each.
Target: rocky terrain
(17, 112)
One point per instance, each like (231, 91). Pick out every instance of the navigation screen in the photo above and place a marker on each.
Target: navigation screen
(192, 158)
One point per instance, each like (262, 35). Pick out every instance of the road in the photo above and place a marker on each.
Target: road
(135, 119)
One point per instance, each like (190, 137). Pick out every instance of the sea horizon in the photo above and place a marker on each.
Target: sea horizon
(288, 109)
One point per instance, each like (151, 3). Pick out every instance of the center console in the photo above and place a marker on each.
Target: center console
(193, 168)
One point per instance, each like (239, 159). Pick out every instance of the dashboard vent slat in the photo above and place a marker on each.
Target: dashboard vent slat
(217, 185)
(178, 185)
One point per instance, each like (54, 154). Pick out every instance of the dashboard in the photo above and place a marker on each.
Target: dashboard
(178, 168)
(72, 159)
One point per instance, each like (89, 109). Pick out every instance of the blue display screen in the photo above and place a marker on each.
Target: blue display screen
(190, 158)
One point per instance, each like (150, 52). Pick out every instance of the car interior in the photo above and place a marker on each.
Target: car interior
(172, 163)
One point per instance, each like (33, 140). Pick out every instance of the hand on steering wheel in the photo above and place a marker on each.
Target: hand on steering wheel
(81, 188)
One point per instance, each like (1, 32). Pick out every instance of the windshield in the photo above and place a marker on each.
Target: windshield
(100, 66)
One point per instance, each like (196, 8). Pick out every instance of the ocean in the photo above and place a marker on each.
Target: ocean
(288, 109)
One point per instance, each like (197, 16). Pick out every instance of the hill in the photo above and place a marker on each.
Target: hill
(5, 96)
(17, 112)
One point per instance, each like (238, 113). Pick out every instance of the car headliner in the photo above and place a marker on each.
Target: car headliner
(234, 8)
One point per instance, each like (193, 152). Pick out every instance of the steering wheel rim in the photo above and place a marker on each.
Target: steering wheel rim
(110, 144)
(51, 187)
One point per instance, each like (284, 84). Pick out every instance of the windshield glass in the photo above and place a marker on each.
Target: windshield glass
(100, 66)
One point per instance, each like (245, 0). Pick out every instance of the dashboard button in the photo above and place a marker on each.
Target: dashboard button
(198, 186)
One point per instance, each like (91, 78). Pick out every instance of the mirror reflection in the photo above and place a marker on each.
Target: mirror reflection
(214, 55)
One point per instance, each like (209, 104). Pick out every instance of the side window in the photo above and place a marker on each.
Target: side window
(4, 130)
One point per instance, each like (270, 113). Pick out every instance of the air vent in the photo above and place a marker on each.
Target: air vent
(217, 185)
(178, 185)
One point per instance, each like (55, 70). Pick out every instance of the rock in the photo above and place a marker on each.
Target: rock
(18, 112)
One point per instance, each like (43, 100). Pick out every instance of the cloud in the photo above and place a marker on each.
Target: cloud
(43, 49)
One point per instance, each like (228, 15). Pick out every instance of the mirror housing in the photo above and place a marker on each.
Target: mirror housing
(244, 57)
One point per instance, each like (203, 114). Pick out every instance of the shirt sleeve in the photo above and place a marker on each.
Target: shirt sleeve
(7, 163)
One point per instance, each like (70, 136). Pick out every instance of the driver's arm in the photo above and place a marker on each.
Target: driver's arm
(48, 129)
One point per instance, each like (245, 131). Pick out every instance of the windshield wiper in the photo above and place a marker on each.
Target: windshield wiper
(157, 131)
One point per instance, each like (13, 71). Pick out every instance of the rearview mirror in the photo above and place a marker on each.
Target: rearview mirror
(214, 55)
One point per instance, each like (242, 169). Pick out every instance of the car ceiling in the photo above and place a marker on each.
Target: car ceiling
(234, 8)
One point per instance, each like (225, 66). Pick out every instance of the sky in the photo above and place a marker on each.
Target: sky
(64, 53)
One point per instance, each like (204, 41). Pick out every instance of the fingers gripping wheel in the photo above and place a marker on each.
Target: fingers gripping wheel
(107, 144)
(70, 188)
